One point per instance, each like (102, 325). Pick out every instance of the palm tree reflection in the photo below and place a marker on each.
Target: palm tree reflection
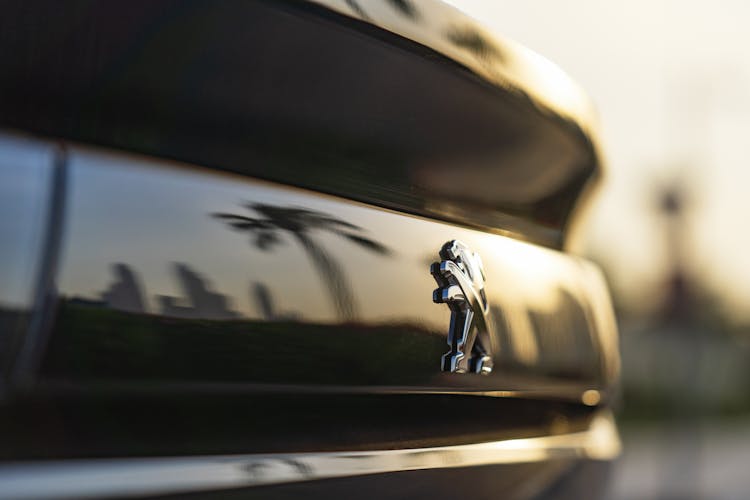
(300, 223)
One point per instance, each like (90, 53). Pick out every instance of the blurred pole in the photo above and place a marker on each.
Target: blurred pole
(677, 322)
(689, 113)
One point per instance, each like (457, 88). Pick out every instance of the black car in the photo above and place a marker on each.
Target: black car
(274, 249)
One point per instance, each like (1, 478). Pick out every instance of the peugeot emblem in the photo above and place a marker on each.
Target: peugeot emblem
(460, 278)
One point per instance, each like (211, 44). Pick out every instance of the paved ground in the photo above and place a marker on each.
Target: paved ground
(684, 460)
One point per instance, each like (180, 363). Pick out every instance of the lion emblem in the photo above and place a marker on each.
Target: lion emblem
(460, 278)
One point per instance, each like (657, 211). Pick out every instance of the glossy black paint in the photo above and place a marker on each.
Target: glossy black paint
(76, 420)
(296, 93)
(177, 274)
(203, 312)
(554, 480)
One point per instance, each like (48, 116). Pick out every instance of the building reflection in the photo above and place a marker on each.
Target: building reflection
(304, 277)
(563, 336)
(265, 304)
(198, 300)
(550, 330)
(125, 294)
(556, 341)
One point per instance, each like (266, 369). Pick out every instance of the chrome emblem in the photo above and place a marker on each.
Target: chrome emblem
(460, 278)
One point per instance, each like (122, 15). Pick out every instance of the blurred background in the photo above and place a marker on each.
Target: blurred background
(671, 81)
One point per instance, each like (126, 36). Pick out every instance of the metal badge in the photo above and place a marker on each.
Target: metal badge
(460, 278)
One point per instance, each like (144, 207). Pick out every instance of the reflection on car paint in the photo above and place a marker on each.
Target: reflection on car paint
(479, 131)
(158, 281)
(26, 183)
(298, 223)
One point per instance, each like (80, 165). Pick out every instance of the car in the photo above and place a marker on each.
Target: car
(257, 249)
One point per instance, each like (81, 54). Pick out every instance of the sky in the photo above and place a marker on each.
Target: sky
(671, 81)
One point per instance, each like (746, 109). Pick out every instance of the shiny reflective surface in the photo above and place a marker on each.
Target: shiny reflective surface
(26, 184)
(98, 419)
(138, 477)
(460, 278)
(186, 313)
(417, 110)
(178, 274)
(500, 61)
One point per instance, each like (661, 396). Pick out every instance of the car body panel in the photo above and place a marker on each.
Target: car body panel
(151, 239)
(226, 254)
(300, 94)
